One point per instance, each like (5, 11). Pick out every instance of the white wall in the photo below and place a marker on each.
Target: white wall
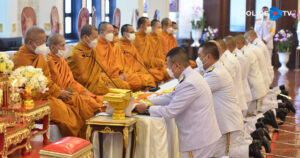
(127, 8)
(161, 5)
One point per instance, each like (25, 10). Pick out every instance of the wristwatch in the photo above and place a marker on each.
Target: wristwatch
(147, 110)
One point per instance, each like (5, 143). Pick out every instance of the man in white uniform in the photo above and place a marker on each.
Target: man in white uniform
(229, 115)
(238, 82)
(252, 37)
(265, 29)
(191, 104)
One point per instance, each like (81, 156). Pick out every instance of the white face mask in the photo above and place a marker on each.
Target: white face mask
(170, 30)
(109, 37)
(170, 72)
(93, 44)
(61, 53)
(148, 30)
(41, 49)
(175, 31)
(131, 36)
(199, 64)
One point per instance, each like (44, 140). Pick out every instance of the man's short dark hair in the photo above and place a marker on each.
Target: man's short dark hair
(211, 48)
(141, 21)
(178, 54)
(124, 28)
(87, 30)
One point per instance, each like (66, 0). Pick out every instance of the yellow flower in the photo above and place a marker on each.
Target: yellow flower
(2, 67)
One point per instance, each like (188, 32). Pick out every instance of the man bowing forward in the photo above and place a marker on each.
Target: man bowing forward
(191, 105)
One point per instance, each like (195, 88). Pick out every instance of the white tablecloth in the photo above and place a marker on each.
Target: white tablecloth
(157, 138)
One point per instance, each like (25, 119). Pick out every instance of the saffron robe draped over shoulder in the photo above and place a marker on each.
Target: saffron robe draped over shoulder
(137, 75)
(63, 77)
(109, 56)
(151, 52)
(85, 70)
(70, 115)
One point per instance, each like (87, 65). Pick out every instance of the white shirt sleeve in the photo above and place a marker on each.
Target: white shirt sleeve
(182, 98)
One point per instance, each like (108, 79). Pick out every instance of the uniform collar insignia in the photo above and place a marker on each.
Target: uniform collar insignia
(181, 78)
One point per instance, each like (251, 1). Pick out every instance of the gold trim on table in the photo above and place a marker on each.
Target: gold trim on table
(84, 153)
(35, 114)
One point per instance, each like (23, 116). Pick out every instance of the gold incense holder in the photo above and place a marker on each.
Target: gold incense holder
(118, 99)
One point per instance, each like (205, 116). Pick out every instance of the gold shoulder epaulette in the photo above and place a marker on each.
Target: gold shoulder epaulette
(211, 69)
(222, 62)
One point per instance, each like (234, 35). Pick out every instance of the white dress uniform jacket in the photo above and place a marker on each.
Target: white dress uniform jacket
(191, 104)
(261, 62)
(265, 29)
(259, 43)
(245, 66)
(227, 110)
(238, 82)
(255, 78)
(226, 63)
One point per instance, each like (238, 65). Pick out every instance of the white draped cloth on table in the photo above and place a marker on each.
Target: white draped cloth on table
(156, 137)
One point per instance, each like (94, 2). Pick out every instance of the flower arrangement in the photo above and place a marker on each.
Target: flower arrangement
(283, 40)
(198, 19)
(6, 65)
(210, 33)
(29, 79)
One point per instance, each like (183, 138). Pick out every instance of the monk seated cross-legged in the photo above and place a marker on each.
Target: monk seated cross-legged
(68, 109)
(62, 75)
(147, 47)
(109, 56)
(138, 77)
(85, 69)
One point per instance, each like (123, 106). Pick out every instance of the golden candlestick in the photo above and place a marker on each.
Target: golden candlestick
(118, 99)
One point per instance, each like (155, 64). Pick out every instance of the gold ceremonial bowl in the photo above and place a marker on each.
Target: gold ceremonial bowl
(118, 99)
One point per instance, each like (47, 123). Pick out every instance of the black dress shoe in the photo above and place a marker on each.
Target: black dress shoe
(260, 135)
(265, 128)
(282, 87)
(254, 149)
(270, 117)
(281, 113)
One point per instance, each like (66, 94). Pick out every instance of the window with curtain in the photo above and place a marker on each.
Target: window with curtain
(237, 18)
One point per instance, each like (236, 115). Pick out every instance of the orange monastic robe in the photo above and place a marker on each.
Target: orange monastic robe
(70, 115)
(109, 55)
(151, 55)
(169, 42)
(63, 77)
(137, 75)
(85, 70)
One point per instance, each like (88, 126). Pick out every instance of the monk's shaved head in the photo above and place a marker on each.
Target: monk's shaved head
(153, 22)
(32, 33)
(126, 28)
(103, 26)
(54, 39)
(141, 21)
(178, 55)
(87, 30)
(166, 22)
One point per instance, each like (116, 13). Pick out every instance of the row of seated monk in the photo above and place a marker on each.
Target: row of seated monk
(77, 83)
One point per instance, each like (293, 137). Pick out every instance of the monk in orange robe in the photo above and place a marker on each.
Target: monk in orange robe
(62, 75)
(109, 55)
(168, 40)
(85, 70)
(151, 55)
(138, 77)
(68, 109)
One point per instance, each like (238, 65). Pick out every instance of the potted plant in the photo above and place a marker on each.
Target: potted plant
(284, 46)
(198, 24)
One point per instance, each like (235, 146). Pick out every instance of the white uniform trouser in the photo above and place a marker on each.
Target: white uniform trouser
(205, 152)
(238, 147)
(271, 71)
